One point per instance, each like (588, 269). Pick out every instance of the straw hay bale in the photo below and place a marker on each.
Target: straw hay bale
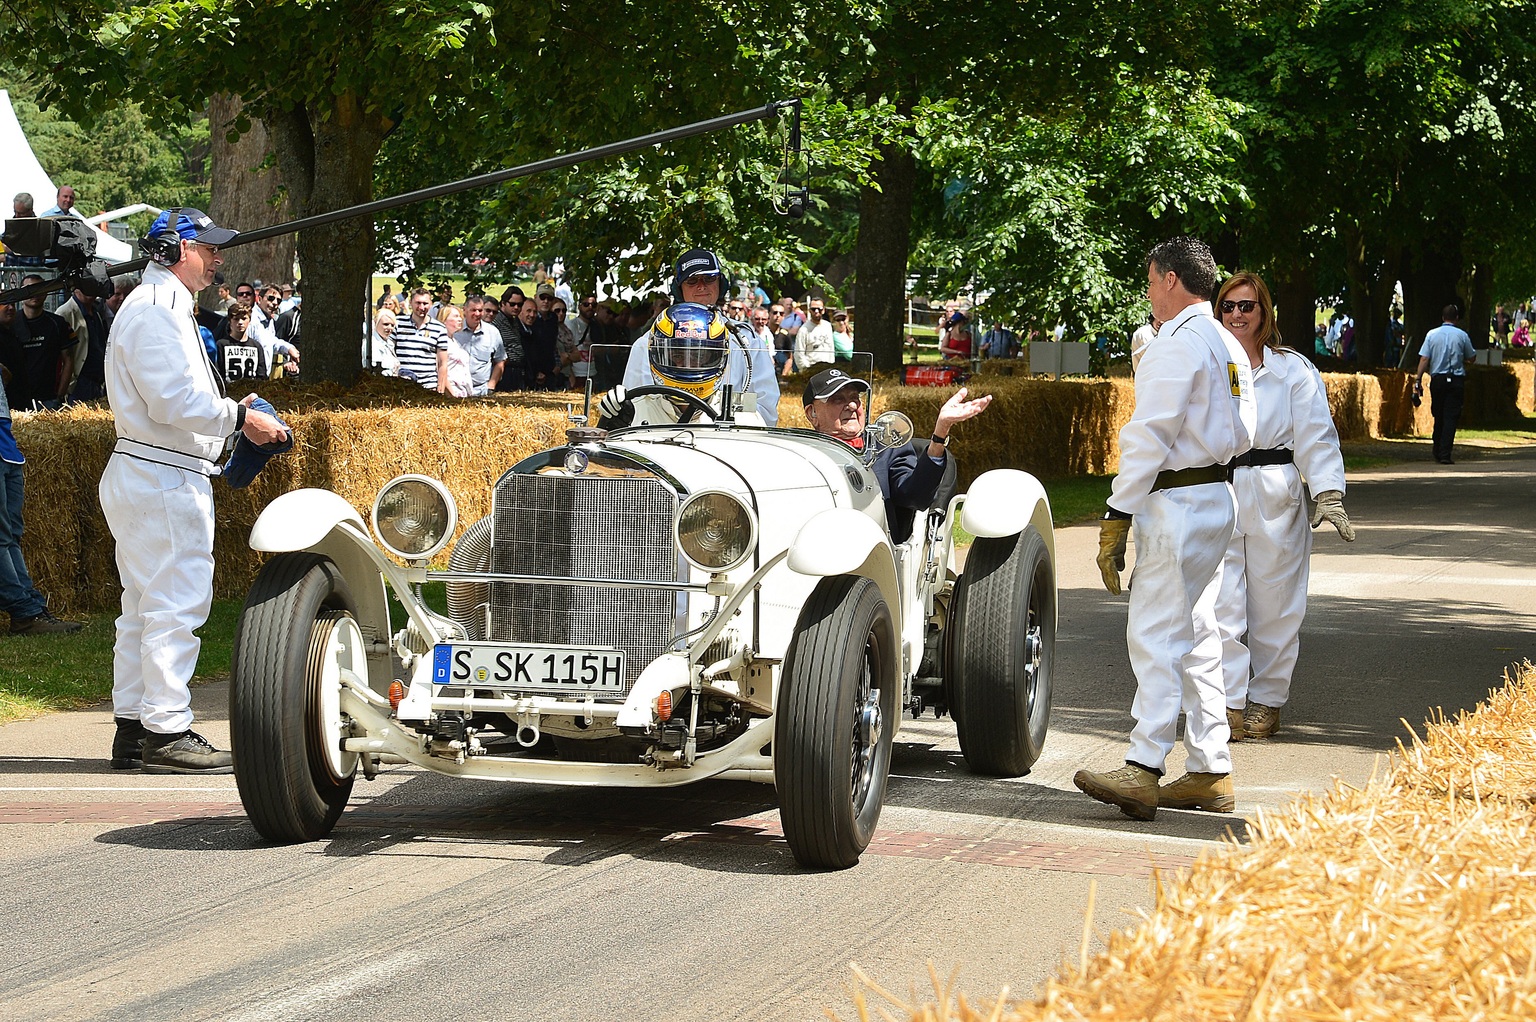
(1355, 401)
(1412, 897)
(1525, 397)
(351, 450)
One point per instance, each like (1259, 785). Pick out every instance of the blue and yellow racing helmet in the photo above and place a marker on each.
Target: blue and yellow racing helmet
(688, 348)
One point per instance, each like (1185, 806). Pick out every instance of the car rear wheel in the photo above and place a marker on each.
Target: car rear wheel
(297, 640)
(1001, 653)
(832, 735)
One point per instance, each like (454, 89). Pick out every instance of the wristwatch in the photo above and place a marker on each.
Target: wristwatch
(942, 441)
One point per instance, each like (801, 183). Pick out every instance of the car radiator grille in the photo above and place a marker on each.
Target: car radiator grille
(559, 526)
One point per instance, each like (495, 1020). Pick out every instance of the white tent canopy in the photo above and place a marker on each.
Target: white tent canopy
(20, 172)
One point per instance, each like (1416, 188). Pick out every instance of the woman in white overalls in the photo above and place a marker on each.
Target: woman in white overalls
(1263, 592)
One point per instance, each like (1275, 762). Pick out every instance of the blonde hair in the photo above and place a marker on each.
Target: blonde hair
(1269, 331)
(443, 311)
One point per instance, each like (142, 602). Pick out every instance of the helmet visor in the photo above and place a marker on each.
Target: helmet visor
(688, 343)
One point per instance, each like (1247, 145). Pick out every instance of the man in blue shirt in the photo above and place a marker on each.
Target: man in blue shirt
(1444, 355)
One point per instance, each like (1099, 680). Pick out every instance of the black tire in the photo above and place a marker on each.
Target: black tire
(838, 700)
(293, 789)
(1001, 652)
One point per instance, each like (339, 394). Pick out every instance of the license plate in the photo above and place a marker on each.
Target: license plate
(528, 668)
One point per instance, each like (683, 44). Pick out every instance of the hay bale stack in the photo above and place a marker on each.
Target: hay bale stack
(1046, 427)
(353, 451)
(1355, 401)
(1409, 898)
(1525, 397)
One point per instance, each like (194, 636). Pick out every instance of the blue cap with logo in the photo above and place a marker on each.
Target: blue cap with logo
(194, 225)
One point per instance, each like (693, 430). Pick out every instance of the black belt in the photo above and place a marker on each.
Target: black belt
(1169, 479)
(1265, 456)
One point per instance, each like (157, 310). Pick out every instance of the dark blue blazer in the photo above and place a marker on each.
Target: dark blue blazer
(909, 480)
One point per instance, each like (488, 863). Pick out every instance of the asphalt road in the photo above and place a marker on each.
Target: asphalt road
(133, 897)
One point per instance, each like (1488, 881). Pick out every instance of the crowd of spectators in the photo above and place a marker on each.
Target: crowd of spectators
(555, 340)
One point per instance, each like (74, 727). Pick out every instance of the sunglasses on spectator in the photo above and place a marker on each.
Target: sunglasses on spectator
(818, 308)
(245, 294)
(1245, 305)
(699, 279)
(589, 301)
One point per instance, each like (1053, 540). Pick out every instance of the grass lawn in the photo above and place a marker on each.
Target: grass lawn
(61, 672)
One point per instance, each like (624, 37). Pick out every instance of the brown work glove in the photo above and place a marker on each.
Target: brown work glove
(1112, 536)
(1330, 506)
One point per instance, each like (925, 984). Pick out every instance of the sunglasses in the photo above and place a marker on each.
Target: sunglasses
(1246, 306)
(245, 294)
(589, 301)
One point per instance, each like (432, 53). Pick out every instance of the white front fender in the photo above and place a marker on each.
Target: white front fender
(300, 519)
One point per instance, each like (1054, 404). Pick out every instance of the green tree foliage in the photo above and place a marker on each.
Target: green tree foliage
(1386, 142)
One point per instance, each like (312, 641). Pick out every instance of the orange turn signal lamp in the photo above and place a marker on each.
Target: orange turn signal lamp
(396, 694)
(664, 705)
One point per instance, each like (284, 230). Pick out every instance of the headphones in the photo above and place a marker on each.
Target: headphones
(164, 247)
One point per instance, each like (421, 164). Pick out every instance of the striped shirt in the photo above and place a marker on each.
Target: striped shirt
(417, 348)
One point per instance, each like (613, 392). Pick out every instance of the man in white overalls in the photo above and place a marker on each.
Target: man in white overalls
(1194, 414)
(172, 420)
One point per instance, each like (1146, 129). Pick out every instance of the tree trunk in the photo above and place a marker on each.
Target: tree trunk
(1429, 284)
(1295, 295)
(1372, 279)
(1477, 319)
(328, 164)
(246, 192)
(885, 238)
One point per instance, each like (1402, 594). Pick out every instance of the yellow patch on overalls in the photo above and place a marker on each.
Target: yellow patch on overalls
(1234, 379)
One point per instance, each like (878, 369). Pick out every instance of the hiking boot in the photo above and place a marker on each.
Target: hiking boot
(43, 624)
(1133, 788)
(1210, 792)
(1260, 721)
(1235, 724)
(185, 752)
(128, 744)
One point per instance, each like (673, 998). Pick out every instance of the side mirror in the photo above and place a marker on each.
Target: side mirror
(891, 429)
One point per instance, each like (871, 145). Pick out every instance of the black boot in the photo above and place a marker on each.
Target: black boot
(128, 744)
(185, 752)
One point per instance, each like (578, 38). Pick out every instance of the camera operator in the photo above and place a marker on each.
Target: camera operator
(172, 421)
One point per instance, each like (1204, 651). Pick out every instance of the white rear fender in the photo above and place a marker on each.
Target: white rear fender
(1002, 502)
(842, 541)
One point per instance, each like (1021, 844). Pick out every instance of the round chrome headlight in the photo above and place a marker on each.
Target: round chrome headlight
(715, 530)
(414, 517)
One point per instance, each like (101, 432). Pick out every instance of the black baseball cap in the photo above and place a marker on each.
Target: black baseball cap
(697, 261)
(828, 382)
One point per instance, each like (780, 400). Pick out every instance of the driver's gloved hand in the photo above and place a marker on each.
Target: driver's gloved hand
(612, 406)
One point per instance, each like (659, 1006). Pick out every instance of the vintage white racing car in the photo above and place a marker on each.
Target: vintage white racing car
(651, 607)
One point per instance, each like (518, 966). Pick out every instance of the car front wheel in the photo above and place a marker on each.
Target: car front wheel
(296, 641)
(832, 735)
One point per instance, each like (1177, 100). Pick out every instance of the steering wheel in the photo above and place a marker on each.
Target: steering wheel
(693, 401)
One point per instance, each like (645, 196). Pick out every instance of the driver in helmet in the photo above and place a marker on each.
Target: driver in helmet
(698, 278)
(687, 350)
(909, 475)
